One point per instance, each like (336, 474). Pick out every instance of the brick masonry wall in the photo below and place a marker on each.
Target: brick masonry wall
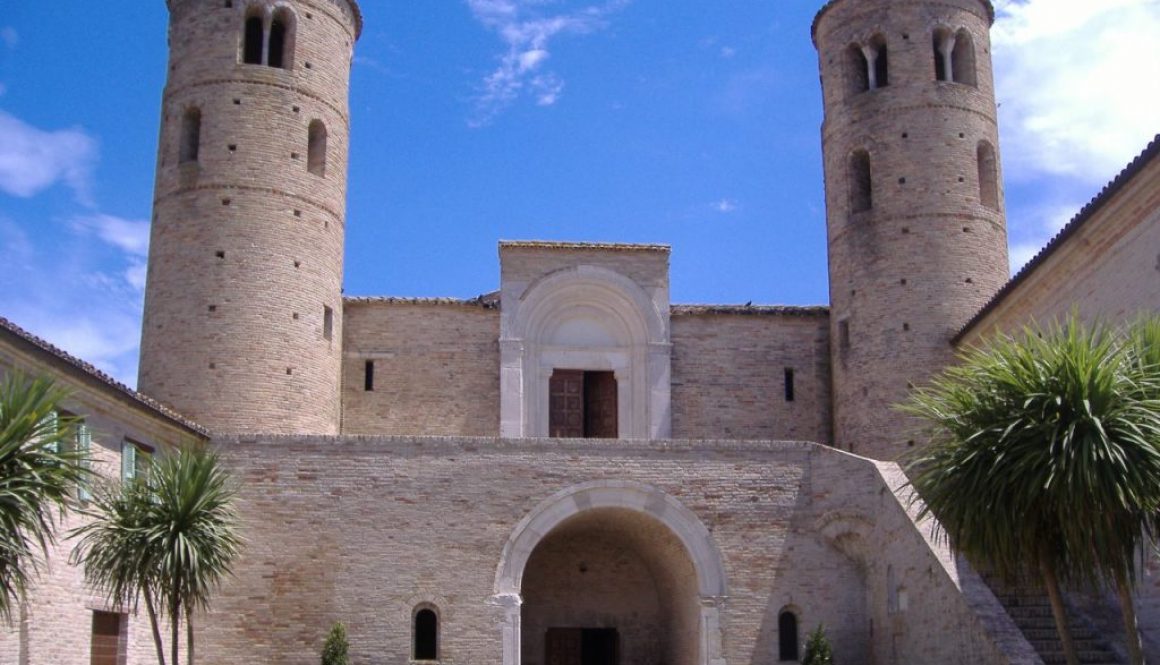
(908, 273)
(1109, 270)
(246, 247)
(363, 530)
(436, 369)
(53, 627)
(729, 377)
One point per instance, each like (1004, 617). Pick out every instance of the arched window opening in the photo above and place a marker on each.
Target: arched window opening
(857, 70)
(281, 40)
(316, 149)
(880, 65)
(254, 41)
(190, 136)
(988, 176)
(963, 60)
(861, 185)
(943, 42)
(787, 636)
(426, 635)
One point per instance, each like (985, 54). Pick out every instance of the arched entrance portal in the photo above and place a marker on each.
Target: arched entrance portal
(611, 573)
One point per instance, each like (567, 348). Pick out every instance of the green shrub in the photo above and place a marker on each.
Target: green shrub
(334, 651)
(818, 649)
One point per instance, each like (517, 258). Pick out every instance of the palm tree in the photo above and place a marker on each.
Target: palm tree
(170, 539)
(39, 476)
(1045, 456)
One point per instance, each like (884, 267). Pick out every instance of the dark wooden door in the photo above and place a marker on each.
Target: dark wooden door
(106, 644)
(564, 646)
(566, 404)
(600, 412)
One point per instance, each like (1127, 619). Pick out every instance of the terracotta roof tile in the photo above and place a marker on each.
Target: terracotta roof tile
(750, 310)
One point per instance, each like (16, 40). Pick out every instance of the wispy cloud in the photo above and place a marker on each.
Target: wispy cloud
(1076, 81)
(1037, 227)
(527, 28)
(32, 159)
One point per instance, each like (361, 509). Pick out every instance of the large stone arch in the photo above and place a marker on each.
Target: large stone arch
(640, 498)
(593, 318)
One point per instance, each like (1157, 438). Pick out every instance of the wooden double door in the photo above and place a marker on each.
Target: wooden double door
(582, 404)
(582, 646)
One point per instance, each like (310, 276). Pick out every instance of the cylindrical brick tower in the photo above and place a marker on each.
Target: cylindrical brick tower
(243, 303)
(916, 228)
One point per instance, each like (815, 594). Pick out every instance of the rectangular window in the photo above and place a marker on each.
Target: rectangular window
(369, 376)
(135, 460)
(107, 646)
(327, 323)
(789, 388)
(83, 440)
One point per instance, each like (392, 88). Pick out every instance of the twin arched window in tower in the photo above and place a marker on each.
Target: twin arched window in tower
(268, 37)
(868, 63)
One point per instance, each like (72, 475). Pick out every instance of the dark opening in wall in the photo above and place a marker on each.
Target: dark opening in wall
(190, 135)
(881, 77)
(278, 36)
(988, 176)
(789, 387)
(861, 185)
(316, 148)
(787, 636)
(426, 635)
(844, 334)
(963, 60)
(327, 323)
(255, 35)
(369, 376)
(857, 70)
(940, 41)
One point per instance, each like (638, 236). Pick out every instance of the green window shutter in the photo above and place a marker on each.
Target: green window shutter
(51, 425)
(84, 447)
(128, 461)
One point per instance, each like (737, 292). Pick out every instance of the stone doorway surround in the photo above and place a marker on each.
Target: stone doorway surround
(638, 497)
(585, 317)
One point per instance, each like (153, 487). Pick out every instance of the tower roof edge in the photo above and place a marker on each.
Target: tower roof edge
(987, 4)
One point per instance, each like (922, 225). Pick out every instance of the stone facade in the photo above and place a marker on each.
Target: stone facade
(250, 196)
(394, 454)
(914, 249)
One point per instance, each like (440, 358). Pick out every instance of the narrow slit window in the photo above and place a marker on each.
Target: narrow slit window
(844, 334)
(327, 323)
(881, 70)
(255, 35)
(190, 136)
(988, 176)
(861, 184)
(963, 60)
(857, 70)
(787, 636)
(789, 387)
(369, 376)
(316, 148)
(426, 637)
(281, 40)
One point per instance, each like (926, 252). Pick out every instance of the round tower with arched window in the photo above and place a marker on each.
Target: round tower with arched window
(916, 229)
(243, 303)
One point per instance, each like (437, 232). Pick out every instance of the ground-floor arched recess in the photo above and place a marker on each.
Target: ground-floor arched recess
(611, 572)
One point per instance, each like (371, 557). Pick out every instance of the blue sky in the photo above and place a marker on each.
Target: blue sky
(687, 122)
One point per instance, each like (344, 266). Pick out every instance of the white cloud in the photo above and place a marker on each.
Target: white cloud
(32, 160)
(1037, 227)
(725, 206)
(9, 37)
(1076, 82)
(130, 236)
(527, 30)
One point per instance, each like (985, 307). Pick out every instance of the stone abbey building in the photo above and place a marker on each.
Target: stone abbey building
(573, 470)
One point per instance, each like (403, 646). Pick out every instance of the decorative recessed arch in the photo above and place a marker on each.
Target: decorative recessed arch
(638, 497)
(586, 317)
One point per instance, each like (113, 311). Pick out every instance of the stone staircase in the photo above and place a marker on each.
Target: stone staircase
(1028, 606)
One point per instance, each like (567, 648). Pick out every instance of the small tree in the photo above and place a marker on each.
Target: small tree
(39, 474)
(818, 648)
(336, 646)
